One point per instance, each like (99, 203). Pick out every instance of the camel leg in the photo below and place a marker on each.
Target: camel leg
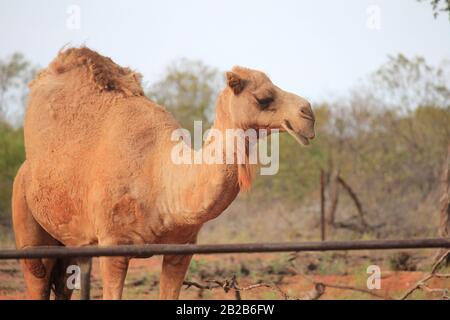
(28, 233)
(174, 269)
(114, 271)
(59, 278)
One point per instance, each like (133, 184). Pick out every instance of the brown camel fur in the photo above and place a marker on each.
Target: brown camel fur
(98, 168)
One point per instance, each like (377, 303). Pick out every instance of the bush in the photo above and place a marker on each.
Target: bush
(12, 156)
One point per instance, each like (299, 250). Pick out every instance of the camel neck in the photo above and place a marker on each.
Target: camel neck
(204, 190)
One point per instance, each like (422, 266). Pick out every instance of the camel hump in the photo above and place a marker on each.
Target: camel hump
(101, 71)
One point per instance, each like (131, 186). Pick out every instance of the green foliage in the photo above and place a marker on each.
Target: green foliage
(388, 140)
(11, 157)
(196, 265)
(15, 73)
(439, 6)
(404, 83)
(330, 263)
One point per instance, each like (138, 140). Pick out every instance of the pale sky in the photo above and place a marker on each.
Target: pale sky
(312, 48)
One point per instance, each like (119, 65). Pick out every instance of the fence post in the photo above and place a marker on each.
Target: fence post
(86, 267)
(322, 205)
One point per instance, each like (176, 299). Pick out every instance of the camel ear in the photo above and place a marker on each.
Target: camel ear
(236, 83)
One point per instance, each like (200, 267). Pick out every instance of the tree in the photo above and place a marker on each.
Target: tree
(406, 83)
(12, 156)
(439, 6)
(189, 90)
(387, 141)
(444, 229)
(15, 73)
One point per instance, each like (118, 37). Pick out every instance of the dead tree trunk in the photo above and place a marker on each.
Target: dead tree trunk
(444, 228)
(322, 205)
(444, 225)
(334, 198)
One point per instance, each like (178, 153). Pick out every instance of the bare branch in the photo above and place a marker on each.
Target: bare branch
(346, 287)
(355, 199)
(232, 284)
(421, 284)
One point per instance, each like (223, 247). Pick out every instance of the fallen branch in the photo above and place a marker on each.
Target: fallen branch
(320, 286)
(232, 284)
(208, 286)
(421, 284)
(444, 292)
(351, 288)
(315, 293)
(346, 287)
(325, 285)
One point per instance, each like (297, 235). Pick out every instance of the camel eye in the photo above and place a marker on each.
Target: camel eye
(264, 103)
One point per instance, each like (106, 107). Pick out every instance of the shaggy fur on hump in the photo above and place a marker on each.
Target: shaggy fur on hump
(101, 71)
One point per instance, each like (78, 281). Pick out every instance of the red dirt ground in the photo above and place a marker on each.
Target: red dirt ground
(142, 278)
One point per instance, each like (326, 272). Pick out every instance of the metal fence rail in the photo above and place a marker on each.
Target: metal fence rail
(183, 249)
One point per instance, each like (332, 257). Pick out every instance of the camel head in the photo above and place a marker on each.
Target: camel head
(255, 102)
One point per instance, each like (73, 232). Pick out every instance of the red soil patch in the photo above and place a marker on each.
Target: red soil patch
(143, 276)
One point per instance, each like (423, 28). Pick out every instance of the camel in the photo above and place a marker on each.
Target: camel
(98, 169)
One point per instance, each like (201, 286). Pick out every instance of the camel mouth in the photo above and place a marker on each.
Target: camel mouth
(297, 135)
